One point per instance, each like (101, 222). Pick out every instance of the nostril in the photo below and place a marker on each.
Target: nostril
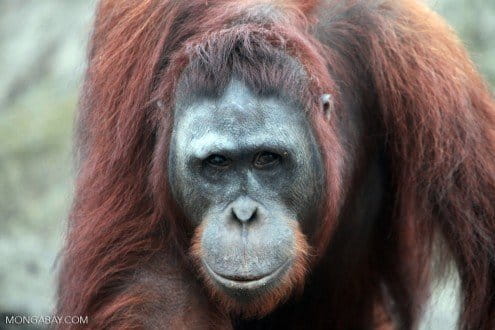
(253, 216)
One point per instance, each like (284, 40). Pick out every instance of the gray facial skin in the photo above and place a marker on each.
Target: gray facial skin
(247, 169)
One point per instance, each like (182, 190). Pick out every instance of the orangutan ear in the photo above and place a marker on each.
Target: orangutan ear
(327, 105)
(160, 104)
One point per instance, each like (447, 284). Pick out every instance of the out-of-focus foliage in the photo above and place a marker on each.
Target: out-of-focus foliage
(41, 63)
(474, 21)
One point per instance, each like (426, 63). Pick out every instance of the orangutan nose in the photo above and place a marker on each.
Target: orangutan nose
(244, 209)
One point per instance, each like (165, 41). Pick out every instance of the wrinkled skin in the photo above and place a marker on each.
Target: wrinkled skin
(246, 171)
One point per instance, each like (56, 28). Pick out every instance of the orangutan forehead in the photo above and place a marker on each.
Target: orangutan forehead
(261, 13)
(249, 53)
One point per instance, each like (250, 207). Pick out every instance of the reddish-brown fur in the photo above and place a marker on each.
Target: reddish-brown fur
(435, 110)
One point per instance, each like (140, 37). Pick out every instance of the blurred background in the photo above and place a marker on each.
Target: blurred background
(42, 60)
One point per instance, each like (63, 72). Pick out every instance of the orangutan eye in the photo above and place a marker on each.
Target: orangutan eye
(218, 161)
(266, 158)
